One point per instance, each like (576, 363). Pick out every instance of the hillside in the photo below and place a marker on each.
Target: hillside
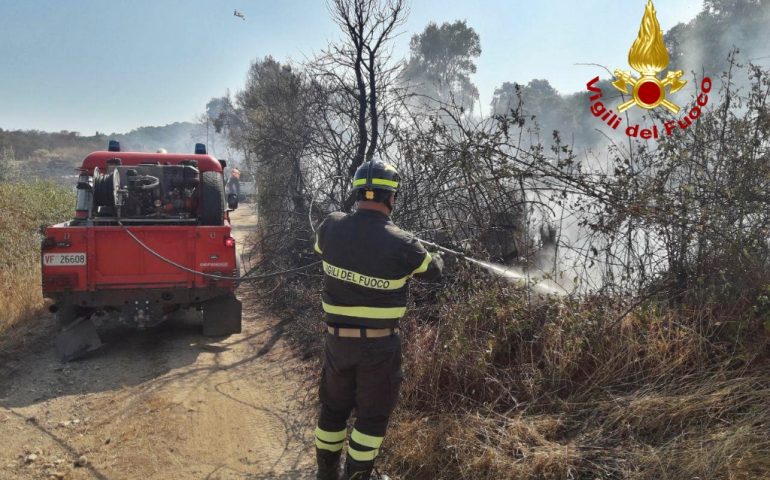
(36, 155)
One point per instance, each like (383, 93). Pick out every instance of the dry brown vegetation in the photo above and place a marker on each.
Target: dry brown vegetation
(501, 388)
(656, 367)
(501, 385)
(24, 207)
(660, 371)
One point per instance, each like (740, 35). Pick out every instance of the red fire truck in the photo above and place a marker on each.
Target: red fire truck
(150, 235)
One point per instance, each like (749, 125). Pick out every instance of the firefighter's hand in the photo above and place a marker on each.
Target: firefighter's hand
(435, 267)
(438, 260)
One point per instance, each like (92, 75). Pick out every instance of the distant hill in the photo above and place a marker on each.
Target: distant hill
(33, 154)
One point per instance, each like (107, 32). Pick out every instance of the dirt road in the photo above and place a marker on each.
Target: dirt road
(166, 404)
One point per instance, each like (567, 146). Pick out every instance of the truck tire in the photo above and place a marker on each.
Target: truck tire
(212, 209)
(222, 316)
(77, 339)
(66, 314)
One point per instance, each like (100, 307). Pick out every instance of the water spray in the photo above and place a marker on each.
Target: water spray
(540, 285)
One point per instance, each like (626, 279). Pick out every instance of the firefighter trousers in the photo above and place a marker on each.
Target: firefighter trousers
(362, 374)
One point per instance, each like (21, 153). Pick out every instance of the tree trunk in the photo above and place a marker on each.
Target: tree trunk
(373, 115)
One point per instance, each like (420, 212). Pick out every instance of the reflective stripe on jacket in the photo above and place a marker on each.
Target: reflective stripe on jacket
(367, 261)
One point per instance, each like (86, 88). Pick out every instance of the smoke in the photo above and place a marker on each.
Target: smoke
(178, 137)
(540, 285)
(701, 48)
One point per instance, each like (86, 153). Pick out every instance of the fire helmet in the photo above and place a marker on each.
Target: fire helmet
(376, 175)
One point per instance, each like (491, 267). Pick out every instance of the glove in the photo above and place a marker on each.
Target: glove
(438, 260)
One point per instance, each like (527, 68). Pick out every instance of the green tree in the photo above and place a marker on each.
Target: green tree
(442, 61)
(538, 96)
(703, 44)
(274, 135)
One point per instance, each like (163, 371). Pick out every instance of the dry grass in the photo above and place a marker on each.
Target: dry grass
(500, 387)
(20, 298)
(497, 388)
(23, 208)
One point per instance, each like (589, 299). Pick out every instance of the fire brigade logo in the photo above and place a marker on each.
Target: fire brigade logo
(649, 57)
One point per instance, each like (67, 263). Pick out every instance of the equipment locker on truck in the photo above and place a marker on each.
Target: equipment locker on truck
(150, 236)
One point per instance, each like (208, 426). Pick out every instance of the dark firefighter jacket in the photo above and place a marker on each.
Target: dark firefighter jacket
(367, 261)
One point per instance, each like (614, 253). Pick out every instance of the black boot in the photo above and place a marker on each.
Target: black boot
(358, 470)
(328, 465)
(379, 476)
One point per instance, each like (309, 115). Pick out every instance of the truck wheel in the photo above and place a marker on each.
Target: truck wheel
(66, 314)
(212, 209)
(77, 333)
(222, 316)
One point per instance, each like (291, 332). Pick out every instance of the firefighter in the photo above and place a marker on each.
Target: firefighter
(233, 185)
(367, 262)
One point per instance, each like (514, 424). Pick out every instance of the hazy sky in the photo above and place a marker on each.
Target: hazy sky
(114, 65)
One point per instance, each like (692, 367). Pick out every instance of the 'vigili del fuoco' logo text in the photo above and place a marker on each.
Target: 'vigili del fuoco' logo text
(649, 57)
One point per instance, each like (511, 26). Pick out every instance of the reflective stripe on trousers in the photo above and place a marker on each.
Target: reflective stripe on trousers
(364, 373)
(363, 447)
(331, 441)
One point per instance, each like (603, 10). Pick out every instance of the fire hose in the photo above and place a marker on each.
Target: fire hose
(212, 275)
(496, 269)
(246, 277)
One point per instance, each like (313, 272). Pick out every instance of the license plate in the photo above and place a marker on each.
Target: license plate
(63, 259)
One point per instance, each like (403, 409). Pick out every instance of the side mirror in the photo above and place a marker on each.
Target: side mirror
(232, 201)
